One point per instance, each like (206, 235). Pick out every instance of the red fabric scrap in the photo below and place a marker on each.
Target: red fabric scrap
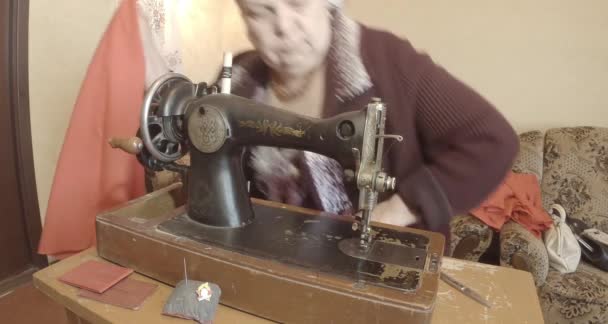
(518, 198)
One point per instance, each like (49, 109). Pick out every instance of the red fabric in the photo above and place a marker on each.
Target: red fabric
(91, 176)
(95, 276)
(518, 198)
(128, 293)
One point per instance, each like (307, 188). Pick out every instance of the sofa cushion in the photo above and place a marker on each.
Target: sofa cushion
(575, 173)
(578, 297)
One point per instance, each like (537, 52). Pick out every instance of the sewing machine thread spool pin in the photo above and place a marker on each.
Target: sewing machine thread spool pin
(225, 84)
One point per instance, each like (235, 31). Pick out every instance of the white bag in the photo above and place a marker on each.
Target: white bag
(562, 246)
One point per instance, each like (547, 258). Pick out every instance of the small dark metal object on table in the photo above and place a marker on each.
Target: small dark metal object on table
(464, 289)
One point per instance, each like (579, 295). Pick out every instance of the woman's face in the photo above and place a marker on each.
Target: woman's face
(292, 36)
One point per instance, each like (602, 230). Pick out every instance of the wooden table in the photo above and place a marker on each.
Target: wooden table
(511, 292)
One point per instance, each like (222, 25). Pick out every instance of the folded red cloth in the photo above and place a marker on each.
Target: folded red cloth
(95, 276)
(518, 198)
(128, 293)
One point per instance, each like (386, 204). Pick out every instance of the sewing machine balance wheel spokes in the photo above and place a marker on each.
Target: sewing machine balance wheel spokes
(161, 118)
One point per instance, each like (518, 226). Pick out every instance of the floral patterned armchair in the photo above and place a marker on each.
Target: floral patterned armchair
(572, 167)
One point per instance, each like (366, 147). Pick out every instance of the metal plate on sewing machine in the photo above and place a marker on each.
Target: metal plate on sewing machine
(387, 252)
(395, 260)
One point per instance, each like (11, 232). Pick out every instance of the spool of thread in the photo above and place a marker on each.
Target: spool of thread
(226, 73)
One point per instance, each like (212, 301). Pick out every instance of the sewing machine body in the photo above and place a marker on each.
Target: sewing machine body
(286, 267)
(280, 262)
(217, 189)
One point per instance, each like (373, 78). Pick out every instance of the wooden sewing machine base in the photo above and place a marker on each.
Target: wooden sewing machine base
(290, 265)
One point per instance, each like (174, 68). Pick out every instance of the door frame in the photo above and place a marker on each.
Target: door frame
(18, 101)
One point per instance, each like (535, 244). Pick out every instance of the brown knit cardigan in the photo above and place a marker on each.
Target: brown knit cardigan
(457, 147)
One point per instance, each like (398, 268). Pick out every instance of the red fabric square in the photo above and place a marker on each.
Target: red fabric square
(95, 276)
(128, 293)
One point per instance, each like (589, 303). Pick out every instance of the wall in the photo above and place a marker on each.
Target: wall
(544, 63)
(200, 21)
(63, 35)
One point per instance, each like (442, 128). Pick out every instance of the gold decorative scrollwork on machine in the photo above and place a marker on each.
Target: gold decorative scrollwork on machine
(274, 128)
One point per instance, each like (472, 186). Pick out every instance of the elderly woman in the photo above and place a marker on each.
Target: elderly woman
(312, 59)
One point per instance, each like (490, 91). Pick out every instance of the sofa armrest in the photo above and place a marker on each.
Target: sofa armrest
(469, 237)
(521, 250)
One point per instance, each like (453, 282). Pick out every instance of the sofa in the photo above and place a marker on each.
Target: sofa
(571, 165)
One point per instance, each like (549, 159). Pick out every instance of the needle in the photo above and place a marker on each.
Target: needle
(185, 272)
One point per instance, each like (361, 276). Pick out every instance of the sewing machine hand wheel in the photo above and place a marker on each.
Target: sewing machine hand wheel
(162, 117)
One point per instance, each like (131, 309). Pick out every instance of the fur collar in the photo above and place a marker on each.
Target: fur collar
(345, 65)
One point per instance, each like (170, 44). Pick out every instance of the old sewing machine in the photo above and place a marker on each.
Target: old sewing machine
(276, 261)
